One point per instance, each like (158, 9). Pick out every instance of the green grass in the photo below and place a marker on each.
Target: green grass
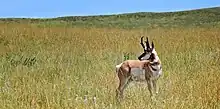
(207, 17)
(71, 63)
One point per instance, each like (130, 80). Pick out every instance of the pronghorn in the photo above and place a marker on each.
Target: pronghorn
(147, 68)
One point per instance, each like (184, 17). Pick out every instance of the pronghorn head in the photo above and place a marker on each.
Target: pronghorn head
(149, 52)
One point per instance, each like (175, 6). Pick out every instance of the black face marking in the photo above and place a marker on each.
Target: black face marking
(142, 55)
(151, 58)
(147, 51)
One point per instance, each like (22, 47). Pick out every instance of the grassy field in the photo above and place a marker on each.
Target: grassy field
(62, 67)
(52, 66)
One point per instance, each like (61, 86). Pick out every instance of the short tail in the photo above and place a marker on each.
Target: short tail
(118, 67)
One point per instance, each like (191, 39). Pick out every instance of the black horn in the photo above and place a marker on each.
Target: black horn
(152, 45)
(147, 43)
(142, 44)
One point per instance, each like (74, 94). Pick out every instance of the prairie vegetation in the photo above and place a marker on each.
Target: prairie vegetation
(206, 17)
(74, 67)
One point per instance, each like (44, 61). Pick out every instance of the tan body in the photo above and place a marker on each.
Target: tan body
(147, 68)
(135, 70)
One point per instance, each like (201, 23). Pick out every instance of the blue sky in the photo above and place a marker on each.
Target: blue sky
(55, 8)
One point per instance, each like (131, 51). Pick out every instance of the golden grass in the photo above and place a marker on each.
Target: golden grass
(77, 63)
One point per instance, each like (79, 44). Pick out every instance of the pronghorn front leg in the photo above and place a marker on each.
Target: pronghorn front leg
(155, 86)
(150, 86)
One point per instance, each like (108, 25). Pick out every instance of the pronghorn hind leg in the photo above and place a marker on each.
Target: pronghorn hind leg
(127, 81)
(122, 86)
(119, 90)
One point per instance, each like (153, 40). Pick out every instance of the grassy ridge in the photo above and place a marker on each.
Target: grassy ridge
(72, 64)
(207, 17)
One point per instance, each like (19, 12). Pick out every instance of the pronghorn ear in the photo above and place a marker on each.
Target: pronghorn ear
(152, 45)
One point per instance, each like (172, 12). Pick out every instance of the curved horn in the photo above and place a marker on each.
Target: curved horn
(152, 45)
(147, 43)
(142, 44)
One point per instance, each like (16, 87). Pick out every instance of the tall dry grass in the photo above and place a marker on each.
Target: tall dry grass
(69, 67)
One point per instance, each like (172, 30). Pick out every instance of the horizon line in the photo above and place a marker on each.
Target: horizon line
(106, 14)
